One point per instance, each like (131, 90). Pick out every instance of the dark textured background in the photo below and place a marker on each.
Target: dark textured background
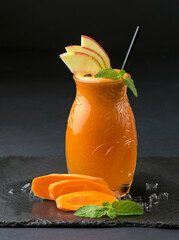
(37, 90)
(53, 24)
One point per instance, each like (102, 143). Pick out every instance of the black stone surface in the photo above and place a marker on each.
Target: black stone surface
(18, 209)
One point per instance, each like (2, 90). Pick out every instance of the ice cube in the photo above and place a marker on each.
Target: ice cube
(163, 196)
(138, 199)
(142, 204)
(32, 197)
(11, 191)
(26, 187)
(127, 197)
(153, 199)
(145, 206)
(151, 186)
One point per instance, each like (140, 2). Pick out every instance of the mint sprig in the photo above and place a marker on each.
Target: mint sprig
(122, 208)
(110, 73)
(107, 73)
(91, 211)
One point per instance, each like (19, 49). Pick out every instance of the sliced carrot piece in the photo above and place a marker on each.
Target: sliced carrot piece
(68, 186)
(41, 184)
(75, 200)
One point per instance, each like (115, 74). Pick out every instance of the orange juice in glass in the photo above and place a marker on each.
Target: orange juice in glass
(101, 137)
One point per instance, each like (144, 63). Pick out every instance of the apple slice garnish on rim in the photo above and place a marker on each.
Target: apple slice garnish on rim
(97, 56)
(93, 45)
(80, 62)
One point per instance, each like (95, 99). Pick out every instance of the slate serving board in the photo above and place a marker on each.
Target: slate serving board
(18, 209)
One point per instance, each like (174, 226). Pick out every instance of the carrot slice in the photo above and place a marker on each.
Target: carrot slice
(41, 184)
(75, 200)
(68, 186)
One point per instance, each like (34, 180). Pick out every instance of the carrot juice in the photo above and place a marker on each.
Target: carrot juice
(101, 137)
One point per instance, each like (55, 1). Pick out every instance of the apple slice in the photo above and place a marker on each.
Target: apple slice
(80, 62)
(93, 45)
(76, 48)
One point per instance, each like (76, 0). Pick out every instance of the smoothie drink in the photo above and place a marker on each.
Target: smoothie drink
(101, 137)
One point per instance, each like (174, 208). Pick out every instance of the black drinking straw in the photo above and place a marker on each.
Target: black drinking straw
(131, 47)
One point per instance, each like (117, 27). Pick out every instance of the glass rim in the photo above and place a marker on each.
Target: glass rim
(107, 81)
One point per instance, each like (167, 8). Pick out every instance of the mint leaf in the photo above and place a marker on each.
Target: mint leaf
(107, 73)
(91, 211)
(112, 213)
(127, 208)
(130, 83)
(107, 204)
(121, 73)
(122, 207)
(115, 204)
(110, 73)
